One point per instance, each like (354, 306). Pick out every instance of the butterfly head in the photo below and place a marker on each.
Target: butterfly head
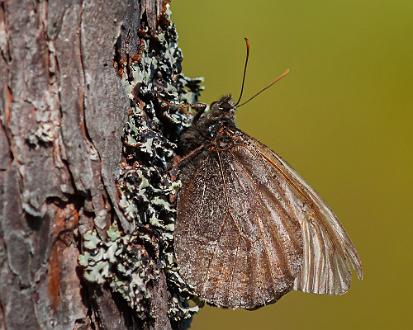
(220, 114)
(207, 123)
(223, 109)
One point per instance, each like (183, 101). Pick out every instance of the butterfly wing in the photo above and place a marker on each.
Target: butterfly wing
(329, 255)
(238, 242)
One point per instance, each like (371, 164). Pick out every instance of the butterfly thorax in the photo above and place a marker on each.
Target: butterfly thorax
(212, 128)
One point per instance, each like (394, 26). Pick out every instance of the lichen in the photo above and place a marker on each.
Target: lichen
(120, 262)
(157, 90)
(43, 134)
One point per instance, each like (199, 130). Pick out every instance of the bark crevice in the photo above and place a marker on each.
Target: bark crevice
(90, 110)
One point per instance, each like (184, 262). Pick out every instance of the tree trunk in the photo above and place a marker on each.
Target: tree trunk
(91, 96)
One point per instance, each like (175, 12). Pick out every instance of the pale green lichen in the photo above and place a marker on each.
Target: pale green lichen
(120, 263)
(150, 136)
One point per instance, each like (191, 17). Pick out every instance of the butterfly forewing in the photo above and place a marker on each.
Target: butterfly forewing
(249, 229)
(237, 240)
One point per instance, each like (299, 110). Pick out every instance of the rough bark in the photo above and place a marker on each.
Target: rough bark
(63, 112)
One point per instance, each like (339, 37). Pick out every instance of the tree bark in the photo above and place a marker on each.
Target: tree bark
(90, 106)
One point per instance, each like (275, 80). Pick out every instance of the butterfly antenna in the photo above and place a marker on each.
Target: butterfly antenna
(266, 87)
(247, 44)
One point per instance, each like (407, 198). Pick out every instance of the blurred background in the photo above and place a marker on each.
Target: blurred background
(342, 118)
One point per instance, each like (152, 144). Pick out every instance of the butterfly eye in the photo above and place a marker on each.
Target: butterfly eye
(213, 105)
(225, 106)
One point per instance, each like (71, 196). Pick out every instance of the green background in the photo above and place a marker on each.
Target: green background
(342, 117)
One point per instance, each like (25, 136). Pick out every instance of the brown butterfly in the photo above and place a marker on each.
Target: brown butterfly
(248, 228)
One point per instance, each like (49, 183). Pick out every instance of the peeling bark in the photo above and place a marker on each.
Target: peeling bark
(63, 109)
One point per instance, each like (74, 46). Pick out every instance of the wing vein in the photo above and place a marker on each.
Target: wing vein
(213, 255)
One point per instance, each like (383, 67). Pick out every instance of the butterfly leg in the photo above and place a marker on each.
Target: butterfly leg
(178, 160)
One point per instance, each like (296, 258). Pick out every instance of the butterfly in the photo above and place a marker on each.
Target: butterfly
(248, 228)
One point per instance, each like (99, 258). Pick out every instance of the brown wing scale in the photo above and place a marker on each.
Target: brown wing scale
(236, 241)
